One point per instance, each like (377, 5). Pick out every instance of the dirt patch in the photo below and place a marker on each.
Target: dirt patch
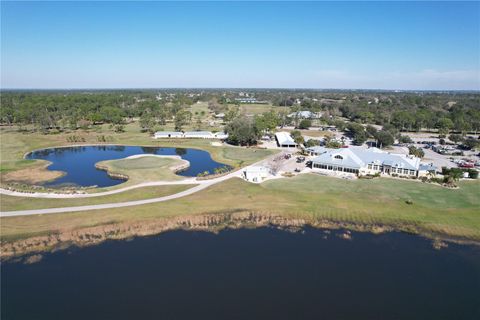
(33, 175)
(33, 259)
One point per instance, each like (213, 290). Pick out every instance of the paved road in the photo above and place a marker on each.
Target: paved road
(107, 205)
(202, 184)
(46, 195)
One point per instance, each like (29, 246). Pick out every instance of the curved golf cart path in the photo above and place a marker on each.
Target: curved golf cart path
(200, 185)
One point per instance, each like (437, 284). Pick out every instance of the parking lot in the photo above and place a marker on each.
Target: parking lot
(419, 141)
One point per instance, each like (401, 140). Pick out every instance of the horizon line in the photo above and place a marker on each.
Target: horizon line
(233, 88)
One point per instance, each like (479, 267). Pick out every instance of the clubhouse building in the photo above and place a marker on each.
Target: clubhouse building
(367, 161)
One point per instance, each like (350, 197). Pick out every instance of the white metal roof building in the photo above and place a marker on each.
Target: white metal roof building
(364, 161)
(190, 134)
(199, 134)
(168, 134)
(284, 140)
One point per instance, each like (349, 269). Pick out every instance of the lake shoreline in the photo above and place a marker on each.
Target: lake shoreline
(212, 222)
(192, 162)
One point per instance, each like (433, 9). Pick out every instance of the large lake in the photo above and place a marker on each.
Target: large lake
(79, 162)
(261, 273)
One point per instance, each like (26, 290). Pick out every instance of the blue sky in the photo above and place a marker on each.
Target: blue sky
(384, 45)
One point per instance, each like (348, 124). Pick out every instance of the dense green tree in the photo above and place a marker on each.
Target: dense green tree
(391, 128)
(311, 143)
(471, 143)
(305, 124)
(403, 120)
(333, 144)
(455, 138)
(56, 111)
(242, 131)
(339, 124)
(358, 133)
(405, 139)
(147, 122)
(182, 118)
(452, 174)
(444, 125)
(231, 114)
(371, 131)
(365, 117)
(417, 152)
(267, 121)
(384, 138)
(297, 137)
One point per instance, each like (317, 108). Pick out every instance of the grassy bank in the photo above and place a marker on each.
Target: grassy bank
(9, 203)
(451, 213)
(143, 169)
(15, 144)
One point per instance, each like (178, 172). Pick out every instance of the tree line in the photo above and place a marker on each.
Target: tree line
(47, 111)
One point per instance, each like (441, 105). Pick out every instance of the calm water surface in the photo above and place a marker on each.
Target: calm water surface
(249, 274)
(79, 162)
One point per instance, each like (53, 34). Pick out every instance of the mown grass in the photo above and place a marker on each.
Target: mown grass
(10, 203)
(144, 169)
(15, 144)
(257, 108)
(435, 209)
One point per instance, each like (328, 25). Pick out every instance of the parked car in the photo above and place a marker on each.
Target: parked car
(467, 165)
(288, 156)
(300, 159)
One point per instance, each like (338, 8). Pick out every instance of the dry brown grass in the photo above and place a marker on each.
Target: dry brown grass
(32, 175)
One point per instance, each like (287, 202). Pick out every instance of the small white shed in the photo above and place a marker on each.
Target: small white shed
(255, 174)
(221, 135)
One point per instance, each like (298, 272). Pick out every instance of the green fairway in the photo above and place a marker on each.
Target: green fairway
(15, 144)
(258, 108)
(10, 203)
(452, 213)
(431, 209)
(383, 190)
(144, 169)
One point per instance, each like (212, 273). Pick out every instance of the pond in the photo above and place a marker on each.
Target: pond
(262, 273)
(79, 162)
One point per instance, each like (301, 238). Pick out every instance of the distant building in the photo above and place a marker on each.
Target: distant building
(246, 100)
(168, 134)
(249, 100)
(220, 115)
(190, 134)
(199, 134)
(305, 115)
(284, 140)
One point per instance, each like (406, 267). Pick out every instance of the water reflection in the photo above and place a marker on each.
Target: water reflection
(79, 162)
(249, 274)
